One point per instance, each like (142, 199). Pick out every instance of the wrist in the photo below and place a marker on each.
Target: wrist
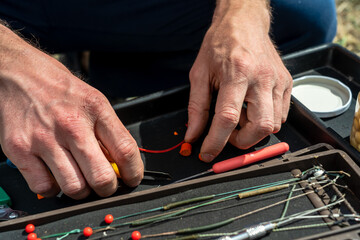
(11, 46)
(254, 13)
(16, 62)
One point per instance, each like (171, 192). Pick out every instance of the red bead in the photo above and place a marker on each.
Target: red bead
(87, 231)
(136, 235)
(109, 218)
(32, 236)
(30, 228)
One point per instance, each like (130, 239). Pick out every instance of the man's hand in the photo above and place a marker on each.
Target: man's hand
(238, 59)
(51, 122)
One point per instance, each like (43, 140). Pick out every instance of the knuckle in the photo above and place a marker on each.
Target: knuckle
(73, 188)
(287, 92)
(284, 76)
(285, 80)
(278, 93)
(277, 127)
(287, 76)
(16, 144)
(265, 127)
(229, 115)
(41, 136)
(42, 187)
(195, 108)
(241, 60)
(95, 101)
(135, 179)
(194, 73)
(126, 150)
(266, 71)
(71, 125)
(102, 180)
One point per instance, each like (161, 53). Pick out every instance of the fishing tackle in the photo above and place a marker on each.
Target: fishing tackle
(258, 230)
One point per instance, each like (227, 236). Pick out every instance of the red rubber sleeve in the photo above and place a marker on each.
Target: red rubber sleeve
(250, 158)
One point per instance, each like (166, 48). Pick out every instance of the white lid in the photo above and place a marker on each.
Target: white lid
(324, 96)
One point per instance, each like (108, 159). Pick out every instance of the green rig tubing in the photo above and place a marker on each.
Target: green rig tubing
(250, 191)
(203, 198)
(232, 194)
(227, 221)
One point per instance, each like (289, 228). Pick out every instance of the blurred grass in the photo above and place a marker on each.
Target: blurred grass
(348, 33)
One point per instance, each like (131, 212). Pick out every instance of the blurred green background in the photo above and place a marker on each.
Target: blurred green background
(348, 33)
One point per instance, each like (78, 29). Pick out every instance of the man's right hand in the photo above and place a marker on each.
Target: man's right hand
(51, 122)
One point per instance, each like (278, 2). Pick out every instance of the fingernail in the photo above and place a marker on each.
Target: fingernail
(206, 157)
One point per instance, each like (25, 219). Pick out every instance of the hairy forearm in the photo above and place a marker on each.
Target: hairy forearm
(10, 48)
(19, 61)
(7, 35)
(12, 42)
(4, 23)
(15, 62)
(10, 45)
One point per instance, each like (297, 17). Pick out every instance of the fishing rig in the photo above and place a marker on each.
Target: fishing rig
(317, 184)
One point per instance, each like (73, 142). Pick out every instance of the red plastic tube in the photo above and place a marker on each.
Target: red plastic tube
(250, 158)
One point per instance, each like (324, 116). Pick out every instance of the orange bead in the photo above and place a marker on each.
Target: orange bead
(39, 196)
(30, 228)
(32, 236)
(87, 231)
(185, 149)
(136, 235)
(109, 218)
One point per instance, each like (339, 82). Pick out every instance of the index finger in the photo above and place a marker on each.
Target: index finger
(227, 115)
(199, 103)
(122, 148)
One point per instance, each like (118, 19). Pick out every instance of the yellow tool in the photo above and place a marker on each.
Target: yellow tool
(148, 175)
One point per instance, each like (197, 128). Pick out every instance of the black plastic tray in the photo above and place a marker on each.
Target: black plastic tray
(334, 61)
(91, 214)
(153, 119)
